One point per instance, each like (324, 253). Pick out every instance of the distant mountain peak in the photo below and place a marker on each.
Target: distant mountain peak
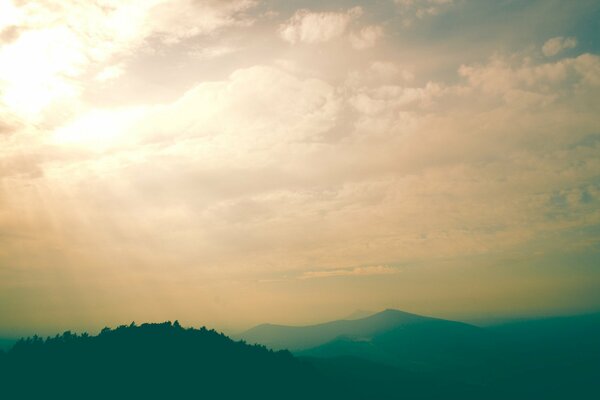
(396, 311)
(303, 337)
(391, 313)
(358, 314)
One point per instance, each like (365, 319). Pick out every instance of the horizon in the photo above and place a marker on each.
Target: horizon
(237, 162)
(235, 333)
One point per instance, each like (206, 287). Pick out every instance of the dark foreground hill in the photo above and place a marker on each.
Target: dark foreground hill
(6, 344)
(152, 361)
(552, 359)
(166, 361)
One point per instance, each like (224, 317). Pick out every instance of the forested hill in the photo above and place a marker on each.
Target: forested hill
(152, 361)
(423, 358)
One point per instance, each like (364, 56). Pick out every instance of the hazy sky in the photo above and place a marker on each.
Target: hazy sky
(231, 162)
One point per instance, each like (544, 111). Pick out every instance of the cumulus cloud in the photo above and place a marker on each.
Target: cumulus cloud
(380, 73)
(173, 21)
(246, 163)
(558, 44)
(421, 8)
(257, 106)
(109, 73)
(366, 37)
(525, 84)
(317, 27)
(49, 45)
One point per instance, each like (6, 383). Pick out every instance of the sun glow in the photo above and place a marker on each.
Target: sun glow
(232, 160)
(100, 129)
(36, 72)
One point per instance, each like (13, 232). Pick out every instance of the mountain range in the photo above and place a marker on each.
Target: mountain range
(392, 336)
(158, 361)
(536, 354)
(387, 355)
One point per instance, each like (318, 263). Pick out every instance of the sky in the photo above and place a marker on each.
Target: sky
(232, 162)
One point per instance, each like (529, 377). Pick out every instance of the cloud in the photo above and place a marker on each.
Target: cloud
(317, 27)
(523, 84)
(256, 106)
(9, 34)
(367, 37)
(109, 73)
(173, 21)
(8, 124)
(211, 52)
(558, 44)
(277, 159)
(51, 46)
(421, 8)
(244, 167)
(357, 271)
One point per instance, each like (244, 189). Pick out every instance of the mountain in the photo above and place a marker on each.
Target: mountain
(390, 355)
(422, 345)
(385, 336)
(411, 342)
(567, 329)
(559, 357)
(359, 314)
(556, 343)
(158, 361)
(297, 338)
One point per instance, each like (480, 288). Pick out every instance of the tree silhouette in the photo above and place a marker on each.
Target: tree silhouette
(151, 361)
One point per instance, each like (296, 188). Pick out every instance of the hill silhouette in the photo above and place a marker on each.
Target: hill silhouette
(152, 361)
(409, 341)
(6, 343)
(552, 358)
(385, 336)
(390, 355)
(158, 361)
(296, 338)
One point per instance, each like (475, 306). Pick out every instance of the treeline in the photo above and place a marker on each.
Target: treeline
(152, 361)
(168, 361)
